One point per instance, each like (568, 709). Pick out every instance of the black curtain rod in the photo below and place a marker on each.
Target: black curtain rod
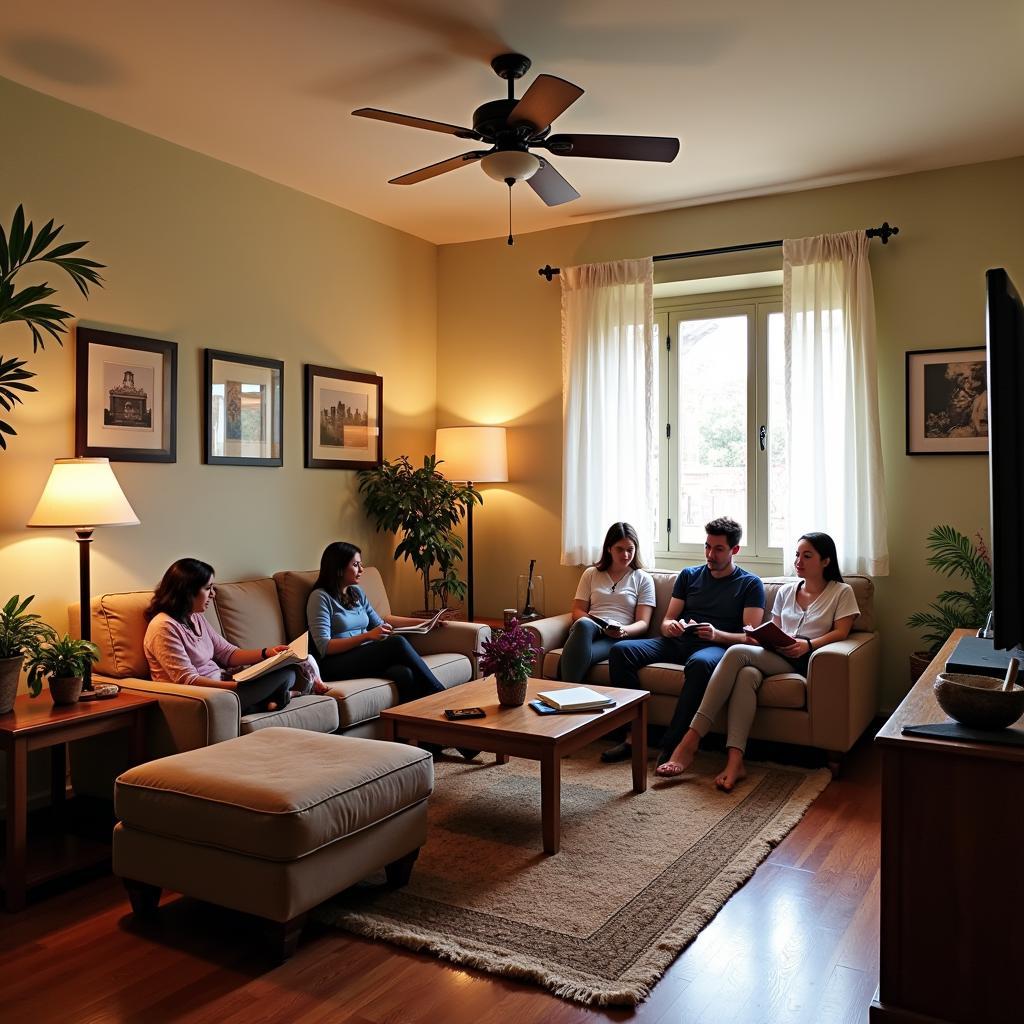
(884, 233)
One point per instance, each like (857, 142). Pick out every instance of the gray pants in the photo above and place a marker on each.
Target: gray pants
(735, 681)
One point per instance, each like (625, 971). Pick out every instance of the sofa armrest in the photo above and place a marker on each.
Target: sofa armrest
(550, 633)
(453, 638)
(186, 716)
(842, 690)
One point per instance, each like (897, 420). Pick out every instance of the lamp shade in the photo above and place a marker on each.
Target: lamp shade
(83, 493)
(473, 453)
(504, 164)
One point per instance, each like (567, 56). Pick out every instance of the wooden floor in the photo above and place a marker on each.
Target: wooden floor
(798, 943)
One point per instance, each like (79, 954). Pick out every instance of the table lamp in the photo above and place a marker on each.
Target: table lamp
(83, 494)
(478, 455)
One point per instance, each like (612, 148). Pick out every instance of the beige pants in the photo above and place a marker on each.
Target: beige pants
(735, 682)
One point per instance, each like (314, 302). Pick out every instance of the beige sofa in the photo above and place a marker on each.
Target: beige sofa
(829, 710)
(253, 613)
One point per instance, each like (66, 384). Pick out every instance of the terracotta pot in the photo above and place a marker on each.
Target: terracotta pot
(919, 661)
(10, 671)
(65, 689)
(511, 692)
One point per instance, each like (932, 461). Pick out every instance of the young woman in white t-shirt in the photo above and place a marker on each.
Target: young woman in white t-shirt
(617, 589)
(818, 609)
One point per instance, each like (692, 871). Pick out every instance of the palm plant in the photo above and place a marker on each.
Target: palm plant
(954, 554)
(19, 248)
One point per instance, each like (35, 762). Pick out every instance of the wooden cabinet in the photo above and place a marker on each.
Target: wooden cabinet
(952, 872)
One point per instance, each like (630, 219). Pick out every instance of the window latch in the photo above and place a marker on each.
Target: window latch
(762, 434)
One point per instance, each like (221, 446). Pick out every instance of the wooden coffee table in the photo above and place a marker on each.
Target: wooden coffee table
(521, 732)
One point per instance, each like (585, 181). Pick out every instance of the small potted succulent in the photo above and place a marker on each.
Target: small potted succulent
(21, 633)
(64, 660)
(508, 656)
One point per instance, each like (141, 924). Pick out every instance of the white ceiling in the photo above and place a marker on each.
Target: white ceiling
(765, 96)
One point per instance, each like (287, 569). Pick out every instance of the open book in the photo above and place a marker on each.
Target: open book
(603, 623)
(769, 635)
(576, 698)
(296, 651)
(422, 627)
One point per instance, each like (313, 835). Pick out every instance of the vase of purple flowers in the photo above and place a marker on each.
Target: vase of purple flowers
(508, 656)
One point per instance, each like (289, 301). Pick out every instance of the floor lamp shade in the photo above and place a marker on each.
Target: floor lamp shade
(82, 494)
(478, 455)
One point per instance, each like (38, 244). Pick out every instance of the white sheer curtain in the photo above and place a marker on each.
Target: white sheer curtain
(835, 454)
(609, 403)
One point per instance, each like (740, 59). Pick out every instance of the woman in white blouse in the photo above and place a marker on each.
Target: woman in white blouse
(818, 609)
(618, 591)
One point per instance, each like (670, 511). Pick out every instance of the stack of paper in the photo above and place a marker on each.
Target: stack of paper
(576, 698)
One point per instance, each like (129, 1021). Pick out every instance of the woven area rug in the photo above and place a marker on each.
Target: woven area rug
(637, 877)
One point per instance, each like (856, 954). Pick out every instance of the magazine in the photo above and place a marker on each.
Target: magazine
(422, 627)
(771, 636)
(296, 651)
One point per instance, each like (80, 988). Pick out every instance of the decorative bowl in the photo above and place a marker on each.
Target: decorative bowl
(979, 702)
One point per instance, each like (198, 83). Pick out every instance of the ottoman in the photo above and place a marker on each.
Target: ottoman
(271, 823)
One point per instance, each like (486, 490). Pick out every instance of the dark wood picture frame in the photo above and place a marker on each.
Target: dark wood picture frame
(130, 421)
(219, 422)
(323, 451)
(947, 401)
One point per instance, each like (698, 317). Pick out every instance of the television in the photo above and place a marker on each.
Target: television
(1005, 344)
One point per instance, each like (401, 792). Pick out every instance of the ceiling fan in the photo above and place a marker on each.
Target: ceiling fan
(513, 127)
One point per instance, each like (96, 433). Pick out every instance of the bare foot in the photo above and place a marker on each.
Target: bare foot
(320, 688)
(271, 705)
(682, 757)
(734, 771)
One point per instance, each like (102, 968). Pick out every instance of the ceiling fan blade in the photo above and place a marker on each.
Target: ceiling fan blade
(614, 147)
(415, 122)
(551, 186)
(546, 98)
(439, 168)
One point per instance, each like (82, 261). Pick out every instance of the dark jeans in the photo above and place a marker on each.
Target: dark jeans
(698, 658)
(392, 658)
(585, 646)
(255, 694)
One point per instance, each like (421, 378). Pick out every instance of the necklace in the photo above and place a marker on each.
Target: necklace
(615, 583)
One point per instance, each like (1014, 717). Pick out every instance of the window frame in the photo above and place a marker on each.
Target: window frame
(757, 304)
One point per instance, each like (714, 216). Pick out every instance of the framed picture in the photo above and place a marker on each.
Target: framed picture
(947, 401)
(244, 406)
(343, 419)
(126, 397)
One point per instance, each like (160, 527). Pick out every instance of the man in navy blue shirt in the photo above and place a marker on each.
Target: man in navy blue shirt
(719, 599)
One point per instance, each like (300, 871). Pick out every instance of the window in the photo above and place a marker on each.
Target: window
(723, 445)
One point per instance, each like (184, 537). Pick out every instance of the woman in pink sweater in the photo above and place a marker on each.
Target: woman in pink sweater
(182, 647)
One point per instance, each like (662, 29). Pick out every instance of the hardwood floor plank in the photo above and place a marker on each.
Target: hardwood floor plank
(798, 943)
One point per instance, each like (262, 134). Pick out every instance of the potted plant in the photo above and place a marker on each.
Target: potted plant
(18, 248)
(21, 633)
(424, 507)
(64, 661)
(508, 656)
(953, 554)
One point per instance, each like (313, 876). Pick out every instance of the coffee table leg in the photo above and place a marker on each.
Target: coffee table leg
(501, 758)
(551, 801)
(638, 739)
(388, 729)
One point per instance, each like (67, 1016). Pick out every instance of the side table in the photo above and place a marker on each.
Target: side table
(35, 724)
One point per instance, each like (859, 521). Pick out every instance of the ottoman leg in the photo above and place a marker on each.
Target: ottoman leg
(144, 898)
(284, 936)
(399, 871)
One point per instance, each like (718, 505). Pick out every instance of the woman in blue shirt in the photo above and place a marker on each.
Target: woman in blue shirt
(350, 639)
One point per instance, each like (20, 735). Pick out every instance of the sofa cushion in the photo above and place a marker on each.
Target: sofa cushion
(312, 712)
(118, 627)
(277, 794)
(361, 700)
(250, 613)
(293, 588)
(783, 691)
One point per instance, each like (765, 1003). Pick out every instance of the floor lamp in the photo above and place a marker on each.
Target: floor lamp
(477, 455)
(80, 492)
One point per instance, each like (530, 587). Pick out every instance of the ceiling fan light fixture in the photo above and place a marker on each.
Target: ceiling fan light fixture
(510, 163)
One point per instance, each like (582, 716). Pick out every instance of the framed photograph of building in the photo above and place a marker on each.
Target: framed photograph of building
(343, 419)
(947, 401)
(126, 397)
(244, 410)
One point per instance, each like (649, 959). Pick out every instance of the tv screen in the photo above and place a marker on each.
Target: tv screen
(1005, 325)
